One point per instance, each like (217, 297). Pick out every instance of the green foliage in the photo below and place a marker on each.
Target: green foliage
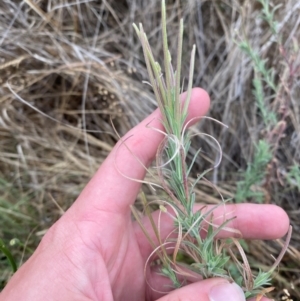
(268, 15)
(263, 79)
(293, 176)
(262, 279)
(262, 73)
(8, 255)
(265, 148)
(268, 116)
(16, 218)
(254, 174)
(169, 273)
(213, 263)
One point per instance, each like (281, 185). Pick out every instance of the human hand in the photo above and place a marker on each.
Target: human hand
(96, 252)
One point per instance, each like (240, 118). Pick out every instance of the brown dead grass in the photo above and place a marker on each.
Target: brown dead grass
(67, 67)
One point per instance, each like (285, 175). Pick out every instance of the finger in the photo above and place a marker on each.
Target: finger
(253, 221)
(109, 190)
(215, 289)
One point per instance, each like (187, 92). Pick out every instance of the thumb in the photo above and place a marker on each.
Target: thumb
(215, 289)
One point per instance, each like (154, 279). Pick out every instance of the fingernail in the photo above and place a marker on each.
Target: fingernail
(226, 292)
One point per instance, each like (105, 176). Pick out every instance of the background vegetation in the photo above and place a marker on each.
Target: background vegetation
(67, 66)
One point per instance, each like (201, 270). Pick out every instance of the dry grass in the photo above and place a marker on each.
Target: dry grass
(68, 66)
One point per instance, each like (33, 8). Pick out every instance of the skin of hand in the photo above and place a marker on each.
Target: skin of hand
(96, 252)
